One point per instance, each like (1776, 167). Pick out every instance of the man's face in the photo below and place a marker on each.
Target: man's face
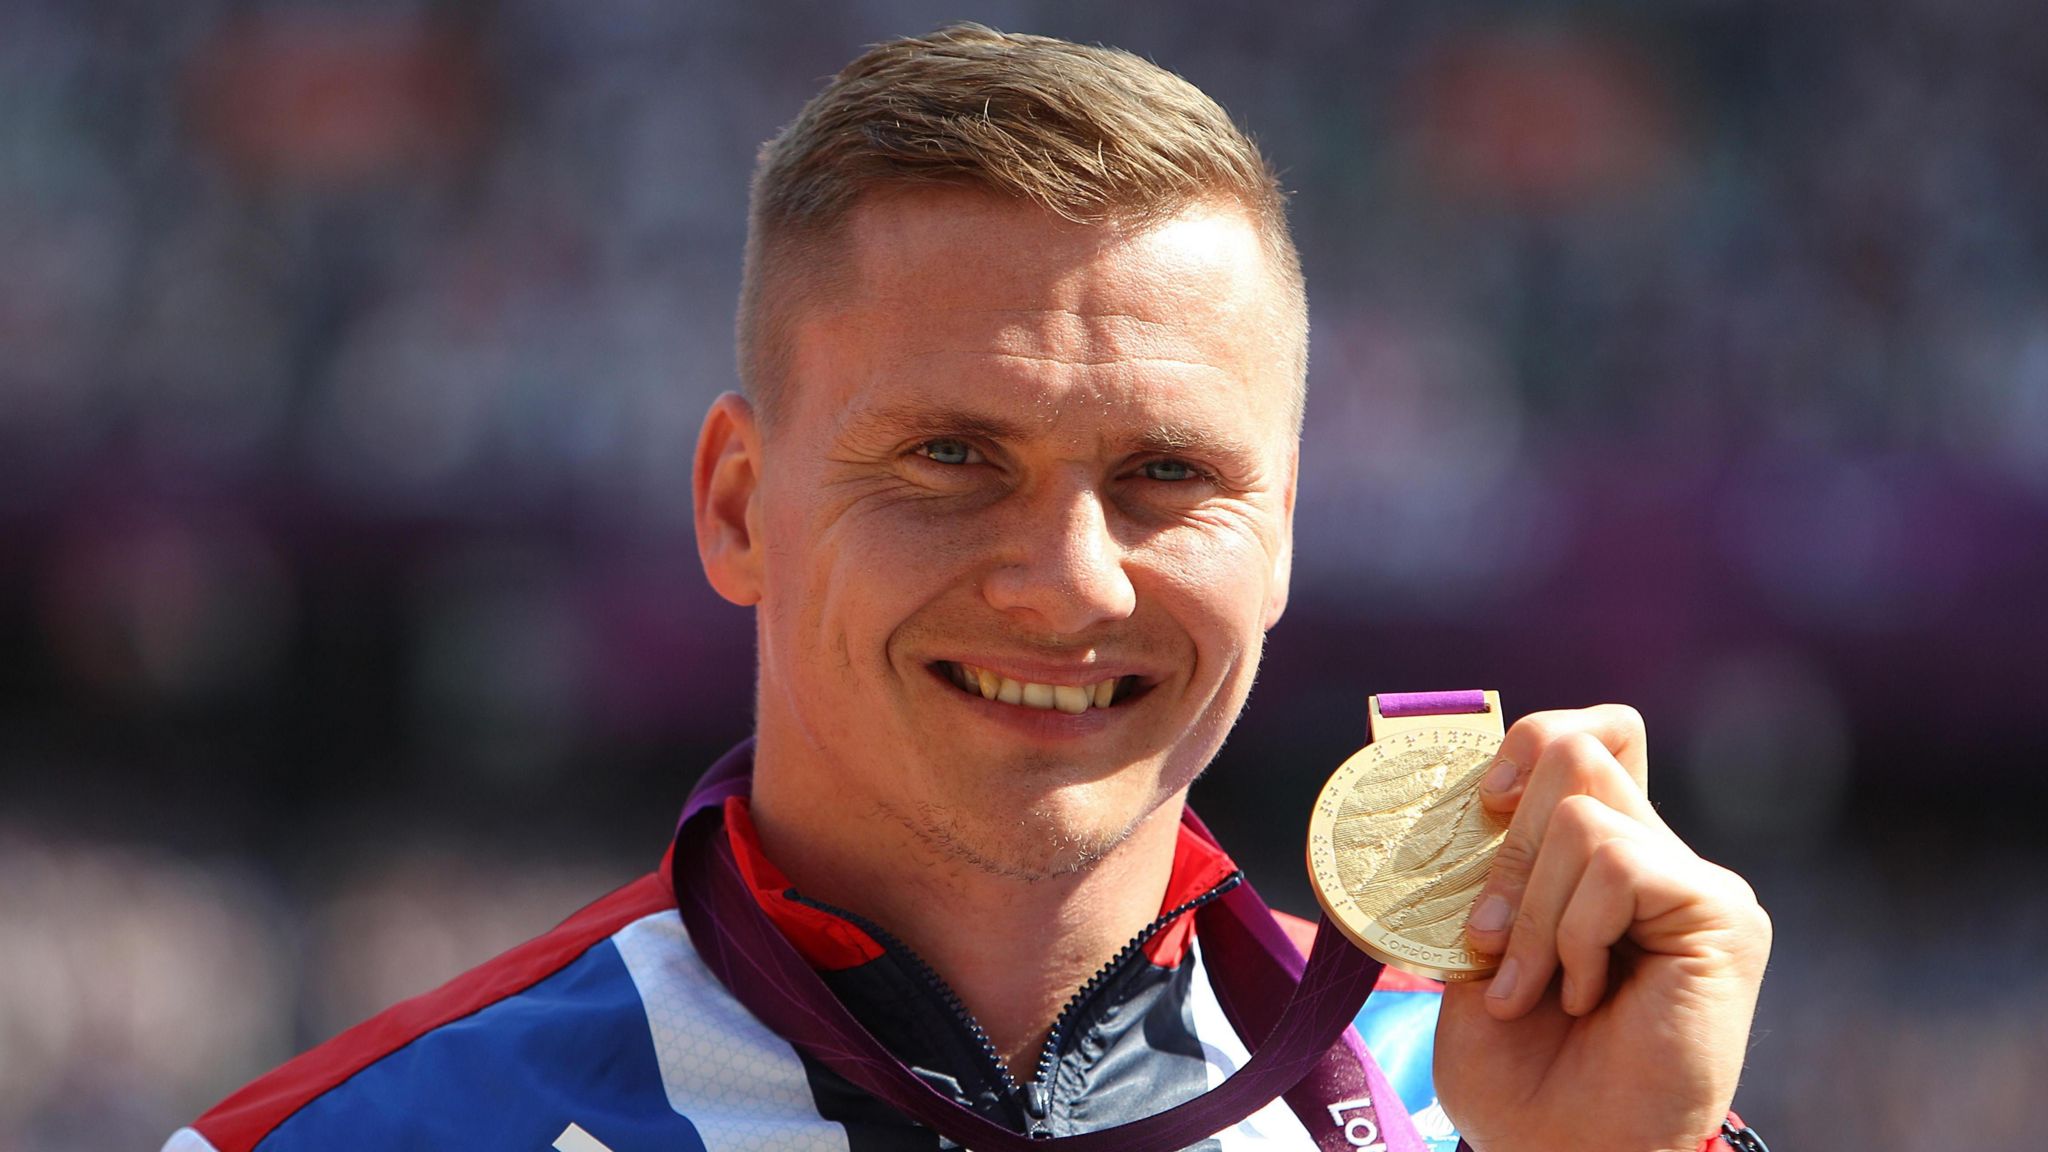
(1028, 460)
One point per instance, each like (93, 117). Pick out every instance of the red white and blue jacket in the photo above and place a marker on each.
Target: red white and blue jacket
(608, 1033)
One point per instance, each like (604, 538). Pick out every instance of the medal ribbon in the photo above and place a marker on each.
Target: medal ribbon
(1309, 1053)
(1431, 703)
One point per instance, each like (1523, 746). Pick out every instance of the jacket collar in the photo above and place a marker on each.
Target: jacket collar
(832, 943)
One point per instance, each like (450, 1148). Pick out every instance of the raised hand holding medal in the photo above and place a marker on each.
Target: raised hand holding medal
(1627, 965)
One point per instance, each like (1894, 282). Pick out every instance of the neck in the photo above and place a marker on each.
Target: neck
(1014, 948)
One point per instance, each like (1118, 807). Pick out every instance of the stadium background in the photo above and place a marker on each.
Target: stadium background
(1691, 354)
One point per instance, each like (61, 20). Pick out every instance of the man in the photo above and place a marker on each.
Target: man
(1010, 491)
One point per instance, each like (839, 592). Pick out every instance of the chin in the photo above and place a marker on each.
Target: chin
(1042, 838)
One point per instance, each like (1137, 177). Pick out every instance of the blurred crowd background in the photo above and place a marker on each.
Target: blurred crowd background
(351, 356)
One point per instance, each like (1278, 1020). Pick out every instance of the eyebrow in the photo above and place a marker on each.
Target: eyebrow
(1186, 438)
(925, 419)
(929, 420)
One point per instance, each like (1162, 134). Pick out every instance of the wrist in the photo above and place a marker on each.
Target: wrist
(1733, 1135)
(1736, 1136)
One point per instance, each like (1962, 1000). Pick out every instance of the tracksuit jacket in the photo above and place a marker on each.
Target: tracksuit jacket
(608, 1034)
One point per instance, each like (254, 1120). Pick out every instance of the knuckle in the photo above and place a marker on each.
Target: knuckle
(1735, 888)
(1574, 758)
(1626, 720)
(1587, 765)
(1743, 891)
(1762, 928)
(1742, 896)
(1581, 747)
(1539, 728)
(1578, 815)
(1516, 855)
(1604, 732)
(1612, 861)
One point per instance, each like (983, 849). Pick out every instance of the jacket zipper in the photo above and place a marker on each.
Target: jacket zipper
(1048, 1057)
(1036, 1097)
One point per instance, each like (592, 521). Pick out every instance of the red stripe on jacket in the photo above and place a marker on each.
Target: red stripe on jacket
(239, 1122)
(834, 944)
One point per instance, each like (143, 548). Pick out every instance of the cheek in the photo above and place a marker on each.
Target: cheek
(803, 612)
(1215, 591)
(865, 568)
(1217, 581)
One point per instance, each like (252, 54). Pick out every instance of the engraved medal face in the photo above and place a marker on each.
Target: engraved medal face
(1399, 846)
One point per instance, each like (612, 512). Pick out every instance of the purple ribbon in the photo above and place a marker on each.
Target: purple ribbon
(1309, 1055)
(1431, 703)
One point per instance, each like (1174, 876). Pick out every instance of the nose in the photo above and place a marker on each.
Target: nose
(1062, 569)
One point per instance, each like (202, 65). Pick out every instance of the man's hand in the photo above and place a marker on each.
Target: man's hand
(1620, 1015)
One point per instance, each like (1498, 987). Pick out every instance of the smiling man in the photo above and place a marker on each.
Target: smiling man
(1009, 489)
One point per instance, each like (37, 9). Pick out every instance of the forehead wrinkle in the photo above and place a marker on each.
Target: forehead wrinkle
(1047, 410)
(1045, 332)
(926, 418)
(1075, 313)
(1135, 361)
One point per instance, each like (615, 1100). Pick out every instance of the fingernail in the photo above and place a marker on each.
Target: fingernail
(1500, 777)
(1503, 985)
(1491, 915)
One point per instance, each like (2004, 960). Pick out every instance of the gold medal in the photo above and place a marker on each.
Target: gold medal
(1399, 845)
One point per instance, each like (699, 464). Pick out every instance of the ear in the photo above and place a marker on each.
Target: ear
(725, 488)
(1283, 557)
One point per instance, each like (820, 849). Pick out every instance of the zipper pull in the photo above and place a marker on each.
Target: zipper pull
(1038, 1103)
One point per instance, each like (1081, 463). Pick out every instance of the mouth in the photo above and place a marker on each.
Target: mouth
(1073, 699)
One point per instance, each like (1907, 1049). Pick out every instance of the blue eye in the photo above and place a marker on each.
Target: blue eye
(947, 451)
(1167, 470)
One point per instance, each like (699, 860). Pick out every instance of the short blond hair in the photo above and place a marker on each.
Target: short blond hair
(1093, 135)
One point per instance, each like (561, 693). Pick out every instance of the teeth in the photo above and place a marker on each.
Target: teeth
(1073, 699)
